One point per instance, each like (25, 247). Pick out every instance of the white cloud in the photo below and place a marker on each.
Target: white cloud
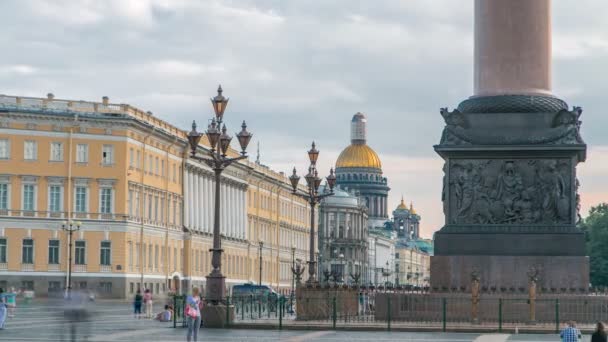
(20, 69)
(297, 71)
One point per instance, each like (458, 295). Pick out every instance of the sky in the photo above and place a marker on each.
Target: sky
(297, 71)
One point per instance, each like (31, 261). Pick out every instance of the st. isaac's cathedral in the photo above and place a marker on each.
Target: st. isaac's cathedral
(359, 175)
(359, 170)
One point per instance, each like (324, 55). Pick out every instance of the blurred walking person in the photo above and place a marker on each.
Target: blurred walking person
(11, 302)
(148, 303)
(600, 333)
(193, 314)
(3, 309)
(137, 301)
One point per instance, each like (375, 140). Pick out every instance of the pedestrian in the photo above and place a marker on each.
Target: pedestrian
(570, 333)
(11, 302)
(600, 334)
(3, 309)
(148, 302)
(193, 314)
(137, 304)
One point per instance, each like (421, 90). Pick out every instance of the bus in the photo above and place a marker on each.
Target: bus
(257, 293)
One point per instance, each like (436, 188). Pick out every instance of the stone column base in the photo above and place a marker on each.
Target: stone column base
(214, 315)
(510, 272)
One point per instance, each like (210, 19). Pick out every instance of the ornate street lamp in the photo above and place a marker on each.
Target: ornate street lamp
(261, 247)
(293, 278)
(70, 227)
(312, 195)
(217, 159)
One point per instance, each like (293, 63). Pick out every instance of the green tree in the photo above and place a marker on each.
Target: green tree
(596, 231)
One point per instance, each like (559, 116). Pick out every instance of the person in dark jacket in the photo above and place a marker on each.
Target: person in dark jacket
(600, 334)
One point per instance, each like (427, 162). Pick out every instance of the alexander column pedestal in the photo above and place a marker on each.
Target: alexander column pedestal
(510, 188)
(510, 194)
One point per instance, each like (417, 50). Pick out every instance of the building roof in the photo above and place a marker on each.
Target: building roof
(359, 155)
(402, 205)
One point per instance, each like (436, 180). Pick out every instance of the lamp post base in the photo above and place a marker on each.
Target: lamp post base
(215, 291)
(217, 315)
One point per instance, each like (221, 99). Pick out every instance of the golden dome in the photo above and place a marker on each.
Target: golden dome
(359, 155)
(412, 210)
(402, 205)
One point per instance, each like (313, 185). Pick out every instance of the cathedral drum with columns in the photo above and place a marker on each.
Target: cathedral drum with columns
(359, 169)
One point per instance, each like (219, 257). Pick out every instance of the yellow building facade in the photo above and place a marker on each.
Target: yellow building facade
(121, 175)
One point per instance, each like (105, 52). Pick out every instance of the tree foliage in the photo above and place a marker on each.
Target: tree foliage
(595, 227)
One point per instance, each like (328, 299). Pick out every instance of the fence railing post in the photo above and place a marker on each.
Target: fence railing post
(334, 312)
(444, 313)
(280, 309)
(243, 308)
(227, 312)
(388, 312)
(174, 312)
(499, 314)
(557, 315)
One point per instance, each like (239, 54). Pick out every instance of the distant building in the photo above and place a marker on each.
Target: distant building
(145, 209)
(343, 236)
(412, 262)
(406, 222)
(381, 256)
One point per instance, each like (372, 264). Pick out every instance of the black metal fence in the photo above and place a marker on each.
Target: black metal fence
(424, 310)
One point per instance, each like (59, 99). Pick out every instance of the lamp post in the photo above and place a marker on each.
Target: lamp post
(218, 160)
(70, 227)
(342, 268)
(293, 278)
(386, 274)
(313, 197)
(260, 252)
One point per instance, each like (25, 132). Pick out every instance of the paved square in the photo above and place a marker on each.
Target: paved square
(113, 321)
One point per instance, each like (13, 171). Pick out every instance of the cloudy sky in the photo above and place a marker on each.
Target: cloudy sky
(298, 71)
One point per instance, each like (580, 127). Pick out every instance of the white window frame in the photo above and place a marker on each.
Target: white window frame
(85, 252)
(101, 190)
(49, 199)
(33, 250)
(82, 153)
(58, 252)
(101, 248)
(107, 154)
(7, 144)
(131, 157)
(34, 196)
(8, 195)
(5, 245)
(34, 150)
(52, 156)
(86, 198)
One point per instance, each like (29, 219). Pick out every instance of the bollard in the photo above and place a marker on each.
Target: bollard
(388, 313)
(499, 314)
(335, 313)
(227, 312)
(444, 312)
(280, 309)
(174, 312)
(557, 316)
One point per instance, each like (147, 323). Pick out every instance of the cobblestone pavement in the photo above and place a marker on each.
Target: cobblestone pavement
(112, 321)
